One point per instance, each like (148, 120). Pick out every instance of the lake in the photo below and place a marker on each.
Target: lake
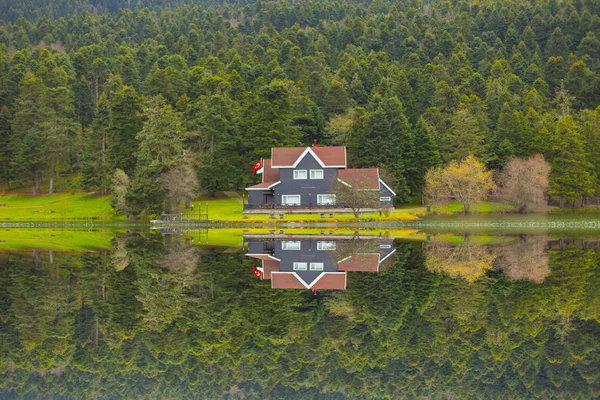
(453, 309)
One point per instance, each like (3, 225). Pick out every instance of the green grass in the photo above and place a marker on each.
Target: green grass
(62, 206)
(231, 209)
(456, 208)
(58, 240)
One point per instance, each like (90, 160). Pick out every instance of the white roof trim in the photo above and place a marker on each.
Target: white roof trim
(321, 275)
(384, 258)
(345, 183)
(301, 157)
(344, 259)
(262, 255)
(267, 188)
(388, 188)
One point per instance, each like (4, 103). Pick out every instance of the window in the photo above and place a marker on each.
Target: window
(290, 199)
(316, 266)
(325, 199)
(290, 245)
(385, 246)
(298, 266)
(322, 245)
(316, 174)
(299, 174)
(387, 198)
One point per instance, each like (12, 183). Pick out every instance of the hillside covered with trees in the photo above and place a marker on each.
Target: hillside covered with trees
(202, 91)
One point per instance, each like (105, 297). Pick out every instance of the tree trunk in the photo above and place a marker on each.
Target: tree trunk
(51, 189)
(561, 201)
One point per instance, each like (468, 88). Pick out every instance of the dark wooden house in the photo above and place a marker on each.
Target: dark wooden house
(302, 177)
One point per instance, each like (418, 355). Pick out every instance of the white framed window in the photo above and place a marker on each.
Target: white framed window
(385, 198)
(385, 246)
(316, 266)
(316, 174)
(325, 199)
(290, 199)
(290, 245)
(325, 245)
(300, 174)
(299, 266)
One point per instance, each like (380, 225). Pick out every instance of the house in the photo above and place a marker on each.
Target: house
(303, 177)
(315, 263)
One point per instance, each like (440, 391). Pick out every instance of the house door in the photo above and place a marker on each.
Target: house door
(268, 198)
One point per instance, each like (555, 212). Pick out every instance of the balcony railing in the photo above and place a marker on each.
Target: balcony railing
(289, 207)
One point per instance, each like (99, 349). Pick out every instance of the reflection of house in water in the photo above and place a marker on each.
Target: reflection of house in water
(316, 262)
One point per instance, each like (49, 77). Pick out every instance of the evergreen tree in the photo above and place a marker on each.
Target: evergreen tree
(387, 124)
(5, 150)
(124, 123)
(570, 177)
(426, 156)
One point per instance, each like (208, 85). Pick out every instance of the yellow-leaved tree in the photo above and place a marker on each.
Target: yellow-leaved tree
(467, 182)
(466, 260)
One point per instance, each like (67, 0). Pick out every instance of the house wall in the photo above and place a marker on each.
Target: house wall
(308, 189)
(255, 197)
(256, 246)
(384, 192)
(308, 253)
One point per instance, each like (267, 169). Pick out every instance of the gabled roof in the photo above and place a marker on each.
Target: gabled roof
(270, 177)
(325, 281)
(360, 178)
(286, 157)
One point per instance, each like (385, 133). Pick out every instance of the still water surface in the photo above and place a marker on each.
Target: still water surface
(332, 314)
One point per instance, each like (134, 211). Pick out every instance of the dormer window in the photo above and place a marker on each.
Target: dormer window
(316, 174)
(300, 174)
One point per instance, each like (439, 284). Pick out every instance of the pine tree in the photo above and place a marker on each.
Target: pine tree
(426, 156)
(28, 139)
(124, 124)
(386, 140)
(5, 150)
(570, 177)
(95, 168)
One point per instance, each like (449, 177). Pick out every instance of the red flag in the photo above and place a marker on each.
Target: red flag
(257, 167)
(257, 272)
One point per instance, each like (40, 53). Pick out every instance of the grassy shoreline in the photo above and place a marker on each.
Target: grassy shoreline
(76, 205)
(82, 206)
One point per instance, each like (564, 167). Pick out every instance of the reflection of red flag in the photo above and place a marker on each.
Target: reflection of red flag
(315, 292)
(257, 167)
(257, 272)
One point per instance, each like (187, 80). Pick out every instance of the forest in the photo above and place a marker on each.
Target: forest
(153, 317)
(170, 91)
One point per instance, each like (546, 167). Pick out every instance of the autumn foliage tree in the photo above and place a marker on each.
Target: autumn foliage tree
(524, 183)
(467, 182)
(467, 260)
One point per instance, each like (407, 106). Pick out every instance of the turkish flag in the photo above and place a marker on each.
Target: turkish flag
(257, 272)
(257, 167)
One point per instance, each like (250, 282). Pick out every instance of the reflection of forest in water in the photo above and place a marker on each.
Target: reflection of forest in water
(159, 318)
